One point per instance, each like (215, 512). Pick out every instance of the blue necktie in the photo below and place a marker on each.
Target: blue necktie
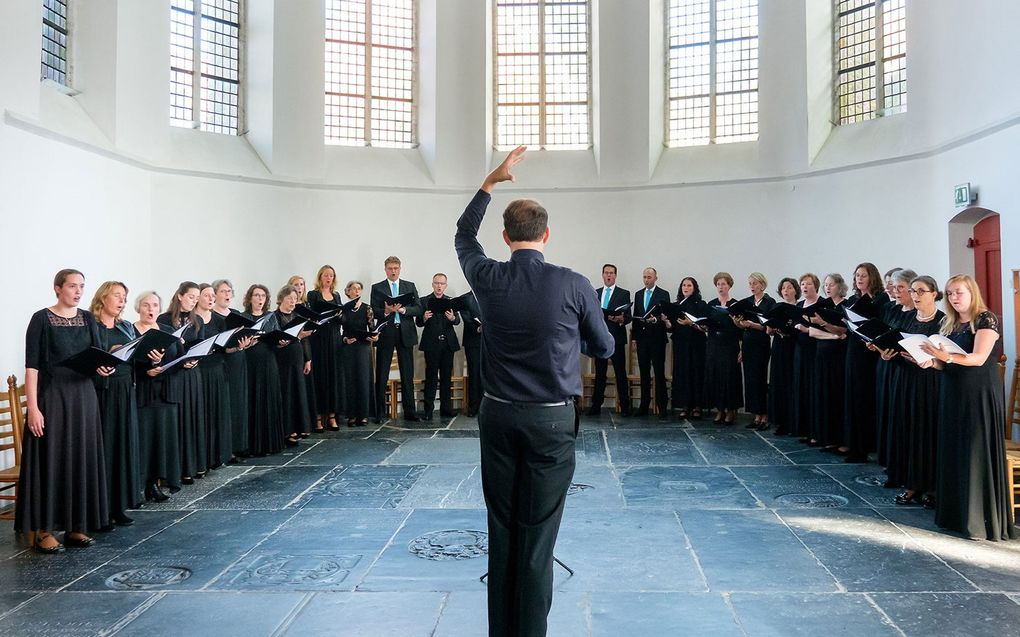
(648, 299)
(395, 292)
(605, 298)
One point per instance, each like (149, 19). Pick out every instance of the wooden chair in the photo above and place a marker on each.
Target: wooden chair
(1013, 480)
(12, 417)
(1013, 406)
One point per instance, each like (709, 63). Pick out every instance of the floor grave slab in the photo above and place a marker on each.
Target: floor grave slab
(398, 569)
(436, 451)
(464, 422)
(446, 486)
(735, 447)
(867, 553)
(213, 614)
(778, 561)
(31, 572)
(595, 486)
(590, 447)
(69, 614)
(806, 455)
(278, 459)
(10, 601)
(173, 570)
(190, 494)
(926, 614)
(684, 487)
(810, 615)
(650, 614)
(655, 447)
(465, 615)
(866, 481)
(369, 615)
(796, 487)
(235, 531)
(362, 487)
(262, 489)
(146, 525)
(625, 550)
(456, 433)
(331, 453)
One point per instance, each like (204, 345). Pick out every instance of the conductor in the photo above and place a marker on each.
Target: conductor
(538, 318)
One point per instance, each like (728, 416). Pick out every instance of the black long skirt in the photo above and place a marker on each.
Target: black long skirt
(830, 383)
(265, 409)
(119, 414)
(688, 368)
(159, 444)
(723, 384)
(327, 370)
(290, 361)
(922, 424)
(883, 405)
(63, 477)
(357, 359)
(756, 371)
(859, 399)
(899, 395)
(237, 384)
(218, 418)
(803, 385)
(782, 408)
(191, 421)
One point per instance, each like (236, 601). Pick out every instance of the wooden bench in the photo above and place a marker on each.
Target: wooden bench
(12, 421)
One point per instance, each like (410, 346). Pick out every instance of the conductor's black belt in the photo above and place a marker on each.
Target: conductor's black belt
(519, 403)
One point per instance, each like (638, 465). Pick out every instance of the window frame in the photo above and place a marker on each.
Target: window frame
(878, 108)
(66, 32)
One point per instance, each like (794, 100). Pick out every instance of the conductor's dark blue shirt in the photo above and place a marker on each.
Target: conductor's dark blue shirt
(534, 318)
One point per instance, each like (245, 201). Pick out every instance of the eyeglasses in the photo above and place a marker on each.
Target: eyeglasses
(914, 292)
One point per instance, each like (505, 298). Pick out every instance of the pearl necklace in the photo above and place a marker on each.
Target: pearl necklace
(927, 318)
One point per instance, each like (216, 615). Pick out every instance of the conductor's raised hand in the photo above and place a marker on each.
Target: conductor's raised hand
(504, 172)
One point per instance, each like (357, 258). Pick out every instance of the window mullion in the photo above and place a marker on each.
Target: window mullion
(368, 72)
(196, 67)
(541, 75)
(711, 71)
(879, 54)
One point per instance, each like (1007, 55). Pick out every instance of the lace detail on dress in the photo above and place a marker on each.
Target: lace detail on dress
(59, 321)
(987, 321)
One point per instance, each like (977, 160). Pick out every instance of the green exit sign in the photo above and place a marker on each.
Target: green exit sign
(962, 195)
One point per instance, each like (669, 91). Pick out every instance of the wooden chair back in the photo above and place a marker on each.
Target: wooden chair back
(12, 421)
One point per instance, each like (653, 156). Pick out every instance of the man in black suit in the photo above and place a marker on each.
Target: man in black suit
(472, 342)
(400, 334)
(438, 342)
(612, 297)
(650, 335)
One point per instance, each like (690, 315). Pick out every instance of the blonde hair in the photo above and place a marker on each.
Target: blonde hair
(952, 321)
(102, 292)
(760, 278)
(303, 297)
(318, 278)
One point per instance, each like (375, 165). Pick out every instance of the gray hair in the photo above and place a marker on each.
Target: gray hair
(143, 295)
(218, 282)
(841, 286)
(904, 276)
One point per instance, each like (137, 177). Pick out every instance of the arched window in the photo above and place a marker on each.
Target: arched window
(370, 73)
(542, 87)
(208, 31)
(54, 41)
(712, 71)
(870, 50)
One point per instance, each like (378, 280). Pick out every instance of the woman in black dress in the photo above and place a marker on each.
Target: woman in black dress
(236, 368)
(722, 355)
(357, 356)
(830, 368)
(804, 364)
(117, 405)
(299, 284)
(920, 398)
(782, 408)
(689, 345)
(327, 357)
(186, 383)
(859, 388)
(892, 450)
(63, 478)
(215, 388)
(158, 429)
(265, 406)
(294, 361)
(971, 475)
(755, 352)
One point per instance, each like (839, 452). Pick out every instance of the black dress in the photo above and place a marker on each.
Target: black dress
(689, 346)
(722, 369)
(859, 393)
(158, 427)
(782, 404)
(803, 382)
(291, 360)
(327, 362)
(357, 361)
(918, 405)
(236, 369)
(63, 476)
(119, 413)
(755, 347)
(893, 434)
(216, 398)
(830, 383)
(971, 489)
(185, 386)
(265, 409)
(891, 314)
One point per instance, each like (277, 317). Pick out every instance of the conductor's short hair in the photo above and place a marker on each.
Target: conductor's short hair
(390, 260)
(609, 265)
(525, 220)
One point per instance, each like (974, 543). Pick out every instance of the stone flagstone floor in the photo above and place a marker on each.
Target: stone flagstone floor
(680, 528)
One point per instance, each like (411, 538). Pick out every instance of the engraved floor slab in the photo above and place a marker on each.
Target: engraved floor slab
(222, 614)
(810, 615)
(31, 572)
(866, 481)
(650, 614)
(446, 486)
(652, 447)
(330, 453)
(796, 487)
(202, 487)
(69, 614)
(262, 488)
(362, 487)
(369, 615)
(684, 487)
(867, 553)
(926, 614)
(590, 447)
(437, 451)
(773, 559)
(735, 447)
(595, 486)
(399, 569)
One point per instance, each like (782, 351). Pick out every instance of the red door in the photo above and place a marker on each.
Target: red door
(988, 262)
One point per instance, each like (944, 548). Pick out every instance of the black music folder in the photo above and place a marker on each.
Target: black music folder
(405, 299)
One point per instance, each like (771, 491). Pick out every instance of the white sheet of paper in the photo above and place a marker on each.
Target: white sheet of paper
(912, 343)
(854, 316)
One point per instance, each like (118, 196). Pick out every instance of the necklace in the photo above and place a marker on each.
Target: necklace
(927, 318)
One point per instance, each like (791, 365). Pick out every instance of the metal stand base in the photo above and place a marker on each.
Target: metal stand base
(555, 560)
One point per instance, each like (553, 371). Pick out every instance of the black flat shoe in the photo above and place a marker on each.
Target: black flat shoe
(412, 417)
(291, 441)
(905, 498)
(188, 480)
(51, 550)
(762, 427)
(108, 528)
(79, 543)
(362, 423)
(752, 425)
(928, 502)
(122, 520)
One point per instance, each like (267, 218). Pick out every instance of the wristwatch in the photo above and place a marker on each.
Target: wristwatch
(949, 359)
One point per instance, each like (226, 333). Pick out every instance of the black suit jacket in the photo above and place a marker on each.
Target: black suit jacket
(472, 337)
(618, 330)
(438, 332)
(642, 330)
(408, 332)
